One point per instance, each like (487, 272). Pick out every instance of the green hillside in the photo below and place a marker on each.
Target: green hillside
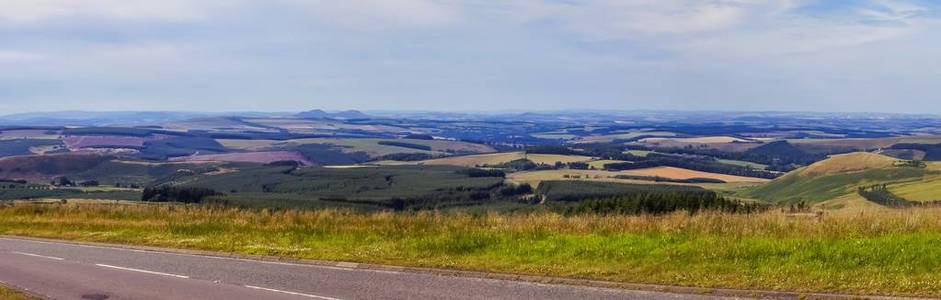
(838, 176)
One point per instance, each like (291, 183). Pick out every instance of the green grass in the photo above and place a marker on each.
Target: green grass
(891, 253)
(796, 187)
(740, 163)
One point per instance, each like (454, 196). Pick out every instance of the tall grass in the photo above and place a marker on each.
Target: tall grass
(896, 252)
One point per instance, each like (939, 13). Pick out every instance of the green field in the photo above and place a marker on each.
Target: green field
(740, 163)
(891, 253)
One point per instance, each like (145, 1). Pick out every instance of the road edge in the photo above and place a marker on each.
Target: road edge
(536, 279)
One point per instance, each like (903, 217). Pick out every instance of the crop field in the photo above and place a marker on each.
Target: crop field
(889, 253)
(263, 157)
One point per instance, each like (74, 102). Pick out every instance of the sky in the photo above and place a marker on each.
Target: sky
(480, 55)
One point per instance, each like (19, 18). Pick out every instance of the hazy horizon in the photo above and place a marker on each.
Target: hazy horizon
(468, 55)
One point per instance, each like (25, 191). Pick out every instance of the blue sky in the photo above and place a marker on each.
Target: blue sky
(283, 55)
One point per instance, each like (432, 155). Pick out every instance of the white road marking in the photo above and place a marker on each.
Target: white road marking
(37, 255)
(143, 271)
(290, 293)
(205, 256)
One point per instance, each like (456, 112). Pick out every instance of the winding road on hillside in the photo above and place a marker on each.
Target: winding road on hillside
(63, 270)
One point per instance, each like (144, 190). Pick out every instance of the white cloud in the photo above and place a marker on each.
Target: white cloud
(18, 56)
(26, 11)
(382, 14)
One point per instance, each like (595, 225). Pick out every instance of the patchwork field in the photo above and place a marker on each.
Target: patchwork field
(370, 146)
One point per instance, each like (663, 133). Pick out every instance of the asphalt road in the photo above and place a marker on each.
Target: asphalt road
(61, 270)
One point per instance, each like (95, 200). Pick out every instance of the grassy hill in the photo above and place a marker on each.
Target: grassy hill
(838, 176)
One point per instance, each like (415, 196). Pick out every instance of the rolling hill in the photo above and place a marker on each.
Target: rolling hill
(839, 176)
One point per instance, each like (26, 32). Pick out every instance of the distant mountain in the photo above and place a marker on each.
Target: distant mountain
(86, 118)
(321, 114)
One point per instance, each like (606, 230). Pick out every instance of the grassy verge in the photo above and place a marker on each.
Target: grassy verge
(893, 252)
(7, 293)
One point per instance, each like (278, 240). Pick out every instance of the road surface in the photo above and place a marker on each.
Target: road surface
(61, 270)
